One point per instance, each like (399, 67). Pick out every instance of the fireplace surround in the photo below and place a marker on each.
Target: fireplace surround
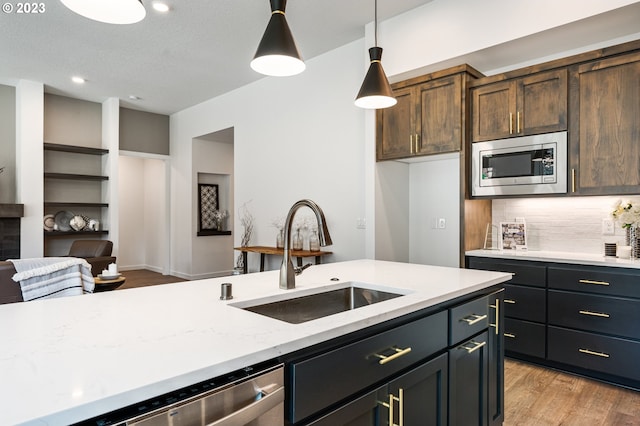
(10, 215)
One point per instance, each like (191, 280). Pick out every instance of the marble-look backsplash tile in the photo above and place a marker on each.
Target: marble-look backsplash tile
(563, 223)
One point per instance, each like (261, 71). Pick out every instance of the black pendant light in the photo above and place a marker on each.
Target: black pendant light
(375, 92)
(277, 53)
(109, 11)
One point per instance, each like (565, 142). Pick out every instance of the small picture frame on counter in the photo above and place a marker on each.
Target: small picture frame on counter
(513, 236)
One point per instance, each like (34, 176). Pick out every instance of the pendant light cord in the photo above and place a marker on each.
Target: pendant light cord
(375, 22)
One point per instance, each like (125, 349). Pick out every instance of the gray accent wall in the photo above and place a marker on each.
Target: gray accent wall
(8, 144)
(69, 121)
(144, 132)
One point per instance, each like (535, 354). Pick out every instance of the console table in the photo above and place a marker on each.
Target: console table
(264, 250)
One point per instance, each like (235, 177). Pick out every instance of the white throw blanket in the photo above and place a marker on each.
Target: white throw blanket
(50, 277)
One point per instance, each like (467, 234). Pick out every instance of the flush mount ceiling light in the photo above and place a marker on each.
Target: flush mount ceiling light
(277, 53)
(77, 79)
(108, 11)
(375, 92)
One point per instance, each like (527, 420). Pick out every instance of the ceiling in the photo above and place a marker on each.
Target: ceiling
(197, 51)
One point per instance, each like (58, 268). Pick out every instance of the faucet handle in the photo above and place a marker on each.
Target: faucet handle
(299, 270)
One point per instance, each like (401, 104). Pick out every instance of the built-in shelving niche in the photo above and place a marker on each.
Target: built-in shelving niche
(222, 186)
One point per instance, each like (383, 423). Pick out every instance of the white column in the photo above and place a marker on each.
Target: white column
(111, 141)
(30, 165)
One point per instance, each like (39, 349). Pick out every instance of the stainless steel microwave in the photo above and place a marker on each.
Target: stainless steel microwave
(525, 165)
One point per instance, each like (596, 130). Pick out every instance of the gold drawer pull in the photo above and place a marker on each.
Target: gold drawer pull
(513, 336)
(510, 301)
(399, 352)
(593, 282)
(473, 319)
(588, 352)
(595, 314)
(475, 347)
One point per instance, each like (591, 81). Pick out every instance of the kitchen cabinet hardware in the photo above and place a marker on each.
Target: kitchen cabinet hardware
(473, 319)
(510, 123)
(510, 301)
(390, 405)
(475, 347)
(573, 180)
(510, 335)
(497, 323)
(593, 282)
(594, 314)
(590, 352)
(388, 358)
(518, 122)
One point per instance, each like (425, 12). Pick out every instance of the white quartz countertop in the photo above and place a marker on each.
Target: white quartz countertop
(64, 360)
(558, 256)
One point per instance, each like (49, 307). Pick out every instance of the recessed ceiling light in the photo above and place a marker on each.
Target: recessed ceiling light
(78, 80)
(134, 97)
(160, 6)
(109, 11)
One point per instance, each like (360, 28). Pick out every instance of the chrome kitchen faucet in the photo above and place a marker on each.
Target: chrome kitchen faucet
(287, 271)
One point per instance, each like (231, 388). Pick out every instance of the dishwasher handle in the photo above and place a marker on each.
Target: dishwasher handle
(253, 410)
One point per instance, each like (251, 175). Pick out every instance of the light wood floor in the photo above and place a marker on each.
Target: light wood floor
(534, 396)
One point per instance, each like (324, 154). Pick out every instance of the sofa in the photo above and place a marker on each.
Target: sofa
(96, 252)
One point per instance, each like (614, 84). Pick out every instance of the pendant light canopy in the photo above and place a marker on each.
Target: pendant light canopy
(277, 53)
(109, 11)
(375, 92)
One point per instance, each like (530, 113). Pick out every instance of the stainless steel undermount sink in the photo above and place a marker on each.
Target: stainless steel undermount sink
(307, 307)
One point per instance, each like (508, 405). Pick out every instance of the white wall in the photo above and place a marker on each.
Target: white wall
(142, 214)
(295, 137)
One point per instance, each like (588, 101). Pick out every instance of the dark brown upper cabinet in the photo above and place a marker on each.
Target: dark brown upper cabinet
(429, 117)
(528, 105)
(604, 135)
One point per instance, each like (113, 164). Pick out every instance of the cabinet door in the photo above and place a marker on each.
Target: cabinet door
(395, 132)
(492, 108)
(439, 122)
(541, 103)
(364, 411)
(605, 126)
(420, 396)
(468, 375)
(495, 373)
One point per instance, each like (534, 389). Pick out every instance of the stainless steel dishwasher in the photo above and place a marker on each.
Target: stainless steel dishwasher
(253, 396)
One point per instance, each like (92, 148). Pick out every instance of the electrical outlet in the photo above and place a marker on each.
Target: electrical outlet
(607, 227)
(442, 223)
(361, 223)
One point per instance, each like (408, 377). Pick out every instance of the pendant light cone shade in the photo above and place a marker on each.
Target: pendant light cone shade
(109, 11)
(375, 91)
(277, 53)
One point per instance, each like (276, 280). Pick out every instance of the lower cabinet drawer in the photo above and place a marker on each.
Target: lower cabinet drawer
(468, 319)
(524, 337)
(330, 377)
(525, 303)
(590, 312)
(609, 355)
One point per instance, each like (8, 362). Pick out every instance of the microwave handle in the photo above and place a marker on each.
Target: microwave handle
(253, 410)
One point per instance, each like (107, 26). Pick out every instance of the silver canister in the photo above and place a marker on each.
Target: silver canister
(225, 291)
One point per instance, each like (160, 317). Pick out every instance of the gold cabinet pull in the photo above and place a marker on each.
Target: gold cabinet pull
(588, 352)
(573, 180)
(518, 122)
(510, 123)
(593, 282)
(594, 314)
(388, 358)
(417, 143)
(497, 323)
(510, 335)
(473, 319)
(475, 347)
(510, 301)
(390, 405)
(411, 143)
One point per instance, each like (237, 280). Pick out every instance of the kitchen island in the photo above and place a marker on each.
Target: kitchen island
(69, 359)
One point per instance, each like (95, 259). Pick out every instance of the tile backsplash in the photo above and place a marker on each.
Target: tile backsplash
(563, 224)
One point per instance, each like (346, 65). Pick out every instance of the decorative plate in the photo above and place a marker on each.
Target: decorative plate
(48, 222)
(62, 219)
(77, 223)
